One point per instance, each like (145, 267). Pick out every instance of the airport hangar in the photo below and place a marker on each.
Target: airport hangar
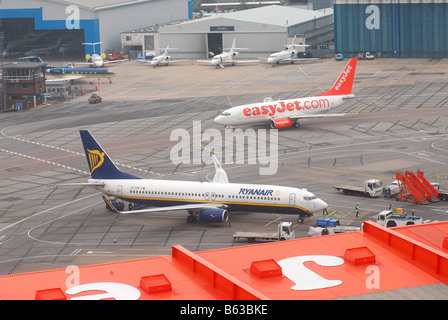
(262, 30)
(99, 20)
(392, 28)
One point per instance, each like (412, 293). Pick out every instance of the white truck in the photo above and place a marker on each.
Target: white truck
(285, 231)
(326, 226)
(388, 219)
(372, 188)
(392, 190)
(365, 56)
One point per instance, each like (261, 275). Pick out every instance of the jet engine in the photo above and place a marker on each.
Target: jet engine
(281, 123)
(214, 215)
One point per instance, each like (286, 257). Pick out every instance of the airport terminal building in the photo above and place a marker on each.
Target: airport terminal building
(392, 28)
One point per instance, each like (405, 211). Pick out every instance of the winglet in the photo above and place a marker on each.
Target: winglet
(220, 174)
(344, 84)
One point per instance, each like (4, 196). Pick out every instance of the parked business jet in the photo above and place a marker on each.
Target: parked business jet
(97, 60)
(72, 72)
(161, 59)
(208, 201)
(227, 57)
(287, 113)
(288, 55)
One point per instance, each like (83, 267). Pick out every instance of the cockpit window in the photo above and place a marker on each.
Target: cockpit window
(225, 114)
(308, 198)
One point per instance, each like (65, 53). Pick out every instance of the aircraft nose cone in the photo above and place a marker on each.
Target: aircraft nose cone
(218, 120)
(321, 205)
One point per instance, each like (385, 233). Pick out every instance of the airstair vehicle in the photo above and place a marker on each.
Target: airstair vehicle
(415, 188)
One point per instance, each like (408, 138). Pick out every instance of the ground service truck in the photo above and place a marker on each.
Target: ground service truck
(388, 219)
(372, 188)
(285, 231)
(326, 226)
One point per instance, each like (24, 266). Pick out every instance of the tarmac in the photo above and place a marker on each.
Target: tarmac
(397, 122)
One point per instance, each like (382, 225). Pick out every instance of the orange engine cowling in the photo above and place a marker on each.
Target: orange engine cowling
(281, 123)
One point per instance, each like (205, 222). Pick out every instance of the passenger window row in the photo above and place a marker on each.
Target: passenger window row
(187, 194)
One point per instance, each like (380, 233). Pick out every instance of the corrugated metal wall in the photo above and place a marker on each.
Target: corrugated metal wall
(392, 28)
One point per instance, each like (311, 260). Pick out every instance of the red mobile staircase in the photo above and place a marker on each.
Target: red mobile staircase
(416, 188)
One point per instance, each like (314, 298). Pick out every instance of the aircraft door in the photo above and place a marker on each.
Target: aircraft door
(292, 199)
(119, 190)
(214, 43)
(213, 196)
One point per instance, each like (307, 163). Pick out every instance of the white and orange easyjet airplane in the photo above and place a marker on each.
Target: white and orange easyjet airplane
(287, 113)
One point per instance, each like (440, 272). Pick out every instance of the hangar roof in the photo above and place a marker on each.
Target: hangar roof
(283, 16)
(279, 15)
(103, 4)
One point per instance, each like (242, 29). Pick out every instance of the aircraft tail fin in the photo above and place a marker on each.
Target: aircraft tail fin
(293, 42)
(100, 165)
(233, 43)
(344, 84)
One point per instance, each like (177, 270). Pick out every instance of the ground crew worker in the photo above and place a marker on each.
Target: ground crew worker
(357, 209)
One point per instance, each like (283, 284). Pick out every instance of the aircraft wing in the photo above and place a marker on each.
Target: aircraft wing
(82, 184)
(301, 59)
(204, 61)
(244, 61)
(115, 61)
(198, 206)
(84, 63)
(170, 61)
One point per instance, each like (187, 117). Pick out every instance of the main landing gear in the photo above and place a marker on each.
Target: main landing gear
(191, 217)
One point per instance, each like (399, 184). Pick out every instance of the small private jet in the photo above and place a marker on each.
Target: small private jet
(163, 59)
(287, 55)
(221, 59)
(70, 71)
(97, 60)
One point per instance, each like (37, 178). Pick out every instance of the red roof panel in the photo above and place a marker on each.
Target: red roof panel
(312, 268)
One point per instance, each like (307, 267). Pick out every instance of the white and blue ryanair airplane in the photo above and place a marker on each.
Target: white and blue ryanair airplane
(208, 201)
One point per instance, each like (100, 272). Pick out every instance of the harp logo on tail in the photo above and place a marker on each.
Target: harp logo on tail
(96, 159)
